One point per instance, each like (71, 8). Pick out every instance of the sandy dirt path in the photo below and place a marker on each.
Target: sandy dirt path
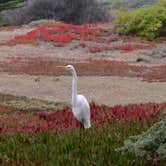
(103, 90)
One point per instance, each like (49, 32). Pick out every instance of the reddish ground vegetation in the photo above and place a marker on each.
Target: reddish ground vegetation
(100, 37)
(62, 34)
(47, 66)
(6, 109)
(123, 47)
(9, 28)
(63, 120)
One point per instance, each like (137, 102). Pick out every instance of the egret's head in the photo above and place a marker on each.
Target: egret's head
(68, 67)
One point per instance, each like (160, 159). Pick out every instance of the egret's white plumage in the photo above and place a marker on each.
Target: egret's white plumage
(80, 105)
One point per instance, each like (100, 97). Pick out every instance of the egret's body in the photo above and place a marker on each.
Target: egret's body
(80, 105)
(82, 111)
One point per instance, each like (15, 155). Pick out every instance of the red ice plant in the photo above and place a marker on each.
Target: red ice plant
(62, 34)
(46, 66)
(63, 120)
(126, 47)
(123, 47)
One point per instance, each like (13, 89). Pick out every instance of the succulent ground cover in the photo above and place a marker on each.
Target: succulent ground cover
(47, 66)
(93, 38)
(61, 34)
(36, 144)
(75, 147)
(13, 120)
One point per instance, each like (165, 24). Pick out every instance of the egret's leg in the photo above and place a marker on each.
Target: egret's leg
(81, 126)
(81, 130)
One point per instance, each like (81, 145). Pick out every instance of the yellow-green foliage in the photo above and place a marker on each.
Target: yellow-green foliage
(147, 22)
(24, 103)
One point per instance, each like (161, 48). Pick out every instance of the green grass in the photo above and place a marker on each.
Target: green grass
(95, 146)
(24, 103)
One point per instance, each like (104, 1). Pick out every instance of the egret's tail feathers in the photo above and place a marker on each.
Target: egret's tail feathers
(87, 125)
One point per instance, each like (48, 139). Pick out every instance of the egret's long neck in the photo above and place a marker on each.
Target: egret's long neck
(74, 88)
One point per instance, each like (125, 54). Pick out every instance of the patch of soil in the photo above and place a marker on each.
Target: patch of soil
(103, 90)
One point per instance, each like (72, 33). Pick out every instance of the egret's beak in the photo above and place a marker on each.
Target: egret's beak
(60, 66)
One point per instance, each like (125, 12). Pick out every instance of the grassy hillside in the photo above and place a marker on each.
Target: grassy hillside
(9, 4)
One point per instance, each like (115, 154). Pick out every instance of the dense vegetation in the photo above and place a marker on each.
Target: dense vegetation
(53, 138)
(95, 146)
(9, 4)
(69, 11)
(150, 144)
(31, 137)
(115, 4)
(148, 22)
(112, 3)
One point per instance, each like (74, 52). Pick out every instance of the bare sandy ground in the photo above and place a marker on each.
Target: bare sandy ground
(7, 35)
(103, 90)
(49, 50)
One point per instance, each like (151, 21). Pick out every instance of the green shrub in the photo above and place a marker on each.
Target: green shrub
(147, 22)
(151, 144)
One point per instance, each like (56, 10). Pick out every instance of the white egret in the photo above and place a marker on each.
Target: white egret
(80, 105)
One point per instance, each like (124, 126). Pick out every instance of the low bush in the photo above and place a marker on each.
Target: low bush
(150, 144)
(147, 22)
(70, 11)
